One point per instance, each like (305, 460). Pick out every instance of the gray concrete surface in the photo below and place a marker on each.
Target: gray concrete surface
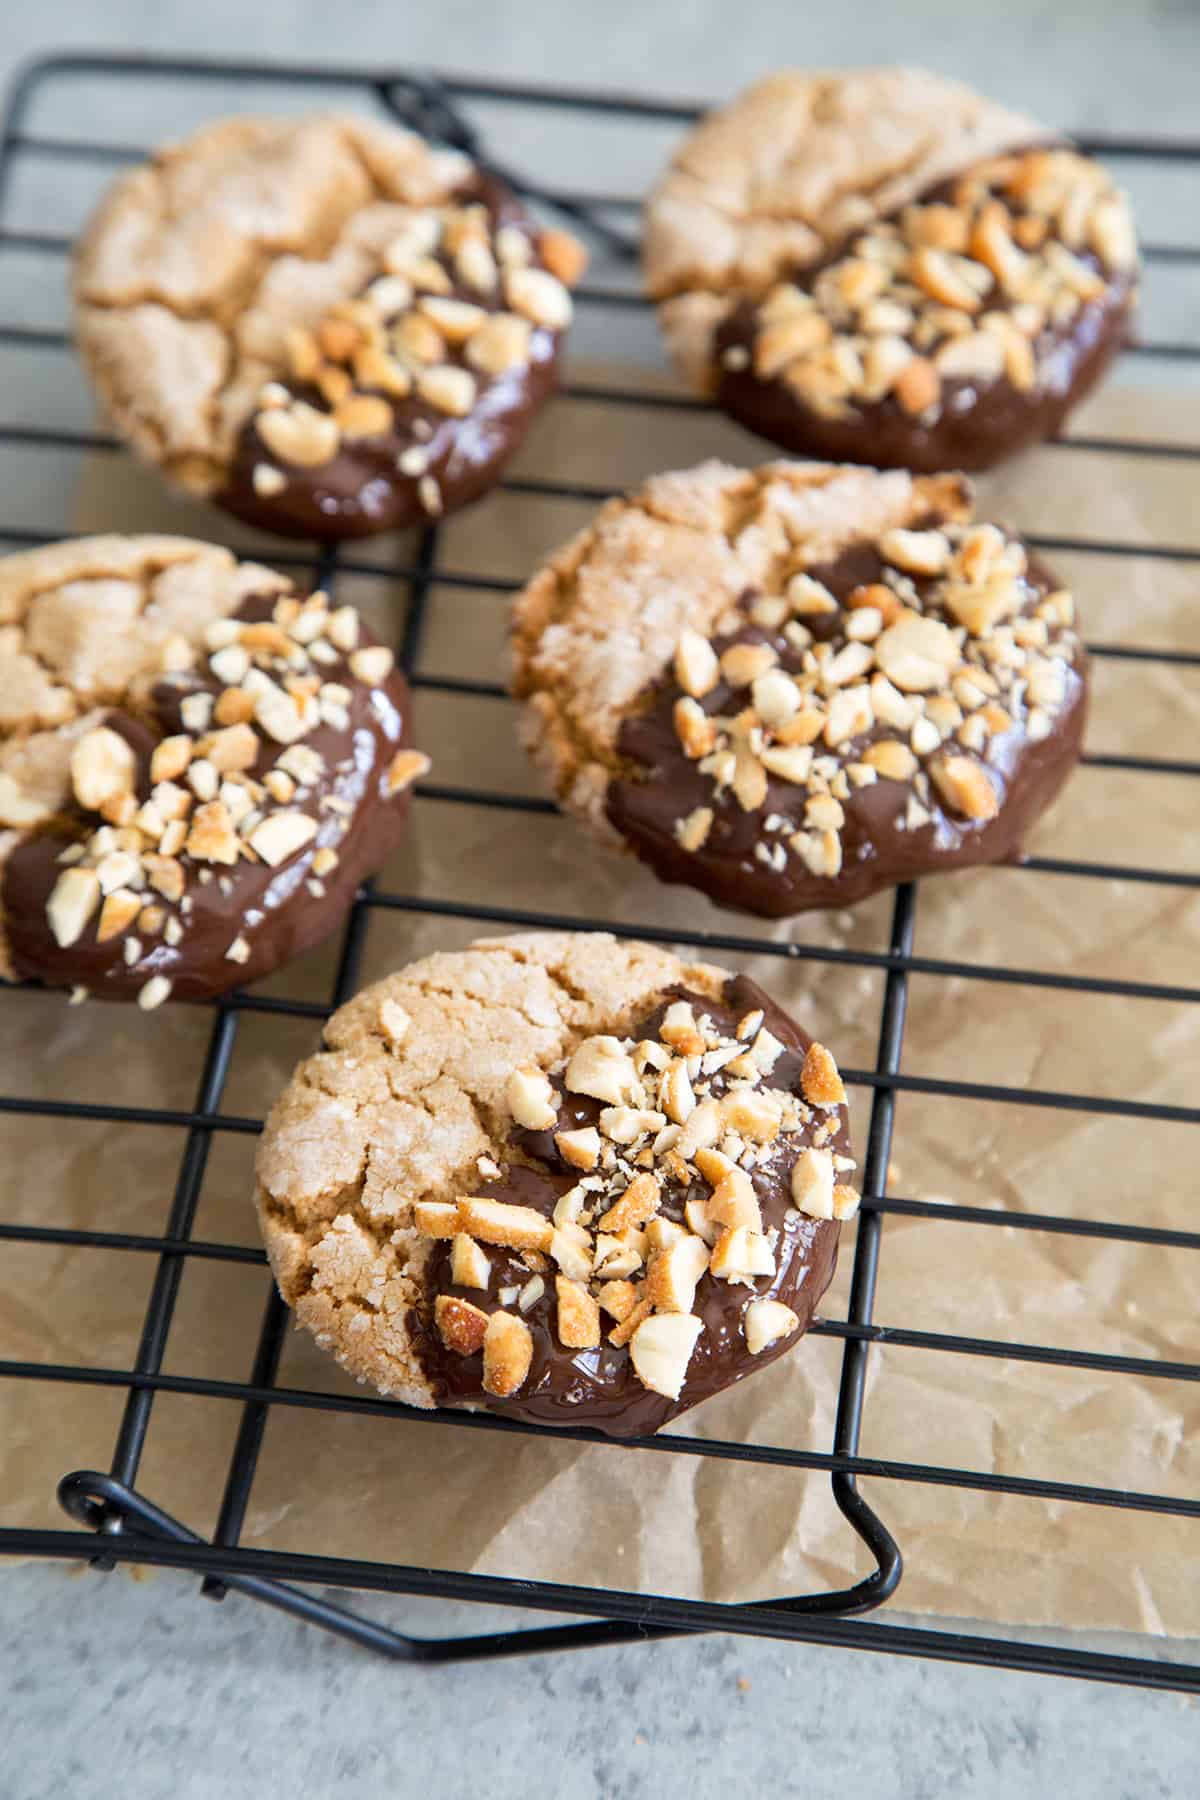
(114, 1686)
(141, 1688)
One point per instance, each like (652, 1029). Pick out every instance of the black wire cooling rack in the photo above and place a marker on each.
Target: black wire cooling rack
(131, 1527)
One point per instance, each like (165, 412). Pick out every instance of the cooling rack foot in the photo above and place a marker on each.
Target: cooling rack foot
(145, 1533)
(110, 1508)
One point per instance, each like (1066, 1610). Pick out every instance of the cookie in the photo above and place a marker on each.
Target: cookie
(571, 1180)
(198, 765)
(793, 686)
(885, 268)
(324, 325)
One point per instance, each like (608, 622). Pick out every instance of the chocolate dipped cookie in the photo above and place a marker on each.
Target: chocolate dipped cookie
(882, 267)
(791, 687)
(198, 766)
(325, 325)
(572, 1180)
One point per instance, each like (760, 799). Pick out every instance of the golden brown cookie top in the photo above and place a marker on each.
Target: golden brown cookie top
(799, 159)
(92, 623)
(781, 174)
(194, 226)
(189, 751)
(578, 1179)
(197, 264)
(277, 292)
(409, 1094)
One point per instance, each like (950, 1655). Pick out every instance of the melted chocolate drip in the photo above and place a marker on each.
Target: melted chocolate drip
(663, 786)
(599, 1387)
(271, 908)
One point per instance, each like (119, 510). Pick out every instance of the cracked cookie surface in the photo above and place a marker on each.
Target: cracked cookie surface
(573, 1180)
(198, 765)
(884, 266)
(793, 686)
(325, 325)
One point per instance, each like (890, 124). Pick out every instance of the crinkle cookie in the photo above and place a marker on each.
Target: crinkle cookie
(198, 765)
(572, 1180)
(790, 687)
(324, 325)
(883, 267)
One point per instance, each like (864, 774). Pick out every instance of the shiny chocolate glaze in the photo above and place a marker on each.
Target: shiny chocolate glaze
(271, 908)
(663, 786)
(975, 426)
(362, 490)
(599, 1387)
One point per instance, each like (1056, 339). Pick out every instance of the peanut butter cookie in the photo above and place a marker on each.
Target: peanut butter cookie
(793, 686)
(881, 266)
(572, 1180)
(324, 325)
(198, 766)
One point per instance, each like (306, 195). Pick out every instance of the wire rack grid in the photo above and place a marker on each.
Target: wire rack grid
(131, 1527)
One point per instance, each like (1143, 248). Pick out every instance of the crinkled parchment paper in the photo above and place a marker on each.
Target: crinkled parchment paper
(437, 1494)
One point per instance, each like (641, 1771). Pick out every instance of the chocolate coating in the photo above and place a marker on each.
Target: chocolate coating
(361, 490)
(975, 425)
(599, 1387)
(663, 786)
(271, 908)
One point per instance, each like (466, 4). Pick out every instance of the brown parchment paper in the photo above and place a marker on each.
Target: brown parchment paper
(421, 1493)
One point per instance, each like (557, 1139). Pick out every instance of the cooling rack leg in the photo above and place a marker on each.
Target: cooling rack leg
(153, 1536)
(107, 1505)
(889, 1564)
(104, 1504)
